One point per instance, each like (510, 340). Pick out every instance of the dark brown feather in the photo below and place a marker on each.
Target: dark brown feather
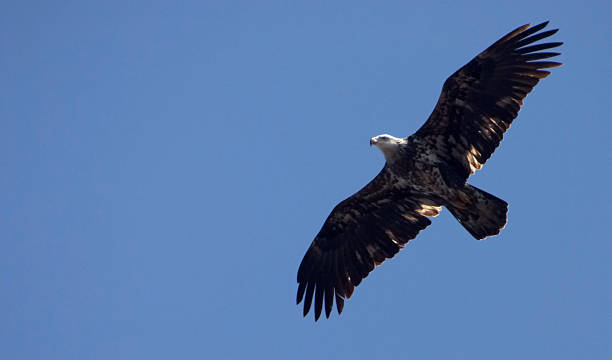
(338, 260)
(479, 101)
(477, 105)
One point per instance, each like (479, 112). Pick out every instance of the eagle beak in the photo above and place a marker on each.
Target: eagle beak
(372, 142)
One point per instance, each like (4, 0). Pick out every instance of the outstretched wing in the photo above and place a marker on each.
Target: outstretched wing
(480, 100)
(361, 232)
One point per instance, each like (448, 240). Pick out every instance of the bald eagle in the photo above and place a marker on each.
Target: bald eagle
(428, 170)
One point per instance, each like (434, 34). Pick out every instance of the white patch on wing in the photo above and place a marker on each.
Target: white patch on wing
(392, 237)
(493, 121)
(409, 217)
(495, 126)
(429, 210)
(471, 157)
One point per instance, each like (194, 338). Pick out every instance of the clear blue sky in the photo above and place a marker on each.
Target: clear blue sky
(165, 166)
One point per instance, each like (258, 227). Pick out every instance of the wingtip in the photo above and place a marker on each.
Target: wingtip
(339, 304)
(540, 26)
(553, 31)
(300, 293)
(517, 31)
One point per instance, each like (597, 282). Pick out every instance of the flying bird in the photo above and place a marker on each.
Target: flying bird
(428, 170)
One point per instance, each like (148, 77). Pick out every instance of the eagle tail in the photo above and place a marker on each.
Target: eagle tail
(480, 213)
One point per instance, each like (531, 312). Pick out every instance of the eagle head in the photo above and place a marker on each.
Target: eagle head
(387, 144)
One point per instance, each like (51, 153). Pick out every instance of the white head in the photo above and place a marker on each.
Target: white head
(387, 144)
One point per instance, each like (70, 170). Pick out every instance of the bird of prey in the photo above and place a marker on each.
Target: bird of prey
(428, 170)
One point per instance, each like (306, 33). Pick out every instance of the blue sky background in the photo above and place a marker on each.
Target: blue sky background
(164, 167)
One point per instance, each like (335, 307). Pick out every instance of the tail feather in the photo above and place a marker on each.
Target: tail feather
(480, 213)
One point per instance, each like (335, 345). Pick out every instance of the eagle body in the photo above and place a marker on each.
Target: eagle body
(427, 171)
(414, 166)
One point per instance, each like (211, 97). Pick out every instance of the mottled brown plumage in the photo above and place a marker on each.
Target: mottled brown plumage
(428, 170)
